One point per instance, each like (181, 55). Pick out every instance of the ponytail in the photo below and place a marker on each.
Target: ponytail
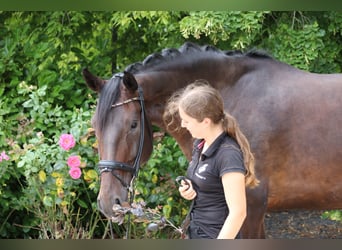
(233, 130)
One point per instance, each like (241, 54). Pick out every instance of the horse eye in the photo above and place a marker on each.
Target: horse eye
(134, 124)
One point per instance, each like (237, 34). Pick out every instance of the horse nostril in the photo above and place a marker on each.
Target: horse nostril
(117, 201)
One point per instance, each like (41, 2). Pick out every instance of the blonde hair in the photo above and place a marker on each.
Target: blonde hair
(199, 100)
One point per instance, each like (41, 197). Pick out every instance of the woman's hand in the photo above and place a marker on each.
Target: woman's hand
(186, 190)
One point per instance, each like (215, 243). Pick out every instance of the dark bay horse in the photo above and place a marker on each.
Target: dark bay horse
(292, 118)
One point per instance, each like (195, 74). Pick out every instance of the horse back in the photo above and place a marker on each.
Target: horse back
(293, 120)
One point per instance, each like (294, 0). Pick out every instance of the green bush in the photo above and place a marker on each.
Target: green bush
(157, 188)
(335, 215)
(56, 201)
(42, 96)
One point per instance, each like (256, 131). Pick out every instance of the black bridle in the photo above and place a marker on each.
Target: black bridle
(111, 166)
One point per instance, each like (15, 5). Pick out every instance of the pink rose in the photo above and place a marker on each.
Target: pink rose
(66, 141)
(4, 156)
(75, 172)
(74, 161)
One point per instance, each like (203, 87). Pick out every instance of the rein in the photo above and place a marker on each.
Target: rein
(110, 166)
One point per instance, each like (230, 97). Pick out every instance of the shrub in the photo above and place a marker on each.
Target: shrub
(57, 182)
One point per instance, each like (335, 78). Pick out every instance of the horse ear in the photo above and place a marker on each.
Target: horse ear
(130, 81)
(94, 83)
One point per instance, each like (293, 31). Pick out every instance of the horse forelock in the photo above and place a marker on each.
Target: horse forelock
(108, 96)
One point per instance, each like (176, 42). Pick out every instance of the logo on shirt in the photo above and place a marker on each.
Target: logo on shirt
(202, 168)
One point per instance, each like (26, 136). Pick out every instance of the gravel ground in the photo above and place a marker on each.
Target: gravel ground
(301, 225)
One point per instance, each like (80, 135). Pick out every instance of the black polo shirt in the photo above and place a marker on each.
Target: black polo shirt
(205, 170)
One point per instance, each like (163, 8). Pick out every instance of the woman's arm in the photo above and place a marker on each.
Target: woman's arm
(235, 193)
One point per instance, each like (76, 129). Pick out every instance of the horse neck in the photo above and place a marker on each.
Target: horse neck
(220, 71)
(158, 86)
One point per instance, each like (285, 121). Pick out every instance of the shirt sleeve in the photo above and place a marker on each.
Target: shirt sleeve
(230, 159)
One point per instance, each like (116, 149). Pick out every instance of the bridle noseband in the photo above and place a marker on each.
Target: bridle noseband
(109, 165)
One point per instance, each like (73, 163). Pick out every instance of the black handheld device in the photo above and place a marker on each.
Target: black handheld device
(179, 180)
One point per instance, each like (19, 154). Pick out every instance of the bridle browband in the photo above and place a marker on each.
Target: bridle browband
(109, 165)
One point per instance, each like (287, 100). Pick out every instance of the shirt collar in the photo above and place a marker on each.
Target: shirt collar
(214, 146)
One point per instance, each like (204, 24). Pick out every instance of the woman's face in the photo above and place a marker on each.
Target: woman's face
(195, 128)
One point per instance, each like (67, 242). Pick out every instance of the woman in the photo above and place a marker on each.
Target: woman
(222, 164)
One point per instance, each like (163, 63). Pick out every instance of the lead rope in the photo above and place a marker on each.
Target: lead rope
(137, 159)
(131, 198)
(111, 230)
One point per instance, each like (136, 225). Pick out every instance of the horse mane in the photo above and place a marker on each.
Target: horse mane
(111, 91)
(257, 53)
(188, 49)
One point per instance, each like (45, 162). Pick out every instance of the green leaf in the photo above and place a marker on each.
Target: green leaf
(47, 201)
(82, 203)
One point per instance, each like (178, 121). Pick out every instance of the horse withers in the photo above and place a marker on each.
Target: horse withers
(292, 118)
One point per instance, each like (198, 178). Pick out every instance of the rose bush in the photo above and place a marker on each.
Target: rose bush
(61, 182)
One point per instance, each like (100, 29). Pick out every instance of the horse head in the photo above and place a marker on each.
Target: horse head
(124, 136)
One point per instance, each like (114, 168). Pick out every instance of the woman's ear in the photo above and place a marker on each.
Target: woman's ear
(207, 121)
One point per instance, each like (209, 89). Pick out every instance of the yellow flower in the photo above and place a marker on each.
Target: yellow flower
(184, 211)
(92, 186)
(60, 192)
(154, 179)
(64, 203)
(56, 174)
(42, 176)
(84, 141)
(90, 175)
(59, 182)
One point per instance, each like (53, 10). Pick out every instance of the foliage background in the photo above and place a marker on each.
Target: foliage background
(43, 95)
